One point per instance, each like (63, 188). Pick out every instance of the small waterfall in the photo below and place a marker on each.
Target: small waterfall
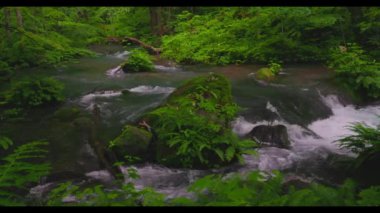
(336, 125)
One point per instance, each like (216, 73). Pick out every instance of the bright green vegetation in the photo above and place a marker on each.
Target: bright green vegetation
(211, 35)
(356, 70)
(192, 127)
(261, 34)
(265, 74)
(252, 189)
(269, 73)
(275, 67)
(43, 36)
(125, 195)
(20, 169)
(138, 61)
(365, 142)
(257, 189)
(34, 93)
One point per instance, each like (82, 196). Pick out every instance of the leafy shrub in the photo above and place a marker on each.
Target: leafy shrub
(138, 61)
(260, 189)
(5, 71)
(17, 171)
(275, 67)
(13, 113)
(35, 93)
(126, 195)
(193, 126)
(356, 70)
(245, 35)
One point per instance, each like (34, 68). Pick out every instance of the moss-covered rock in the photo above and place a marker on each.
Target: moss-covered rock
(133, 141)
(193, 126)
(138, 61)
(265, 74)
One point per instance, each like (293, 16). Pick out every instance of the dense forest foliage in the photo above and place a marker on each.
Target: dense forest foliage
(213, 35)
(346, 39)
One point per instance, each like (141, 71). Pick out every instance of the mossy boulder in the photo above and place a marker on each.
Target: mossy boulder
(133, 141)
(193, 126)
(265, 74)
(138, 61)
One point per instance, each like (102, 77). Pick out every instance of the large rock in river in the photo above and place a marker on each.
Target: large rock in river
(271, 135)
(192, 128)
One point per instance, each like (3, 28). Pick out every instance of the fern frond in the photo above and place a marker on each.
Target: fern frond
(19, 169)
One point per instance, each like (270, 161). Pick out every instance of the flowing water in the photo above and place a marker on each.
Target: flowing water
(314, 113)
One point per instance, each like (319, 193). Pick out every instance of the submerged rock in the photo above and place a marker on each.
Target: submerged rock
(133, 141)
(271, 135)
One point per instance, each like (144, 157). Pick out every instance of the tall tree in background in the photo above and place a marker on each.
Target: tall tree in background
(19, 17)
(156, 20)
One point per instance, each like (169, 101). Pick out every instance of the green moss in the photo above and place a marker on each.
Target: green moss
(138, 61)
(132, 141)
(265, 74)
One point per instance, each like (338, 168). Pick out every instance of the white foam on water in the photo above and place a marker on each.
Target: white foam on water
(166, 68)
(115, 72)
(316, 140)
(336, 125)
(241, 127)
(146, 89)
(101, 175)
(122, 54)
(89, 98)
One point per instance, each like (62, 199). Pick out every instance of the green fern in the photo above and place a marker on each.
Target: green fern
(365, 141)
(19, 169)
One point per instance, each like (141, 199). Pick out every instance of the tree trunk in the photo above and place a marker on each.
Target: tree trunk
(155, 20)
(7, 14)
(19, 17)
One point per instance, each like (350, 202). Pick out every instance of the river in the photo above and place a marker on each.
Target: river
(313, 110)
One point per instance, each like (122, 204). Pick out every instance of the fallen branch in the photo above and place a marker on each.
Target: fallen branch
(151, 49)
